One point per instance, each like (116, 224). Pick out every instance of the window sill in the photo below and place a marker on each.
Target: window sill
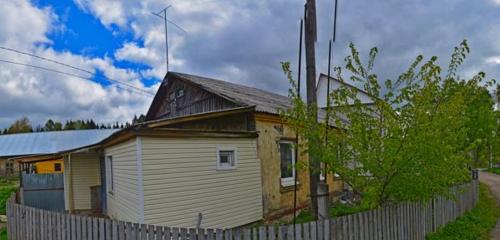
(225, 168)
(288, 182)
(289, 187)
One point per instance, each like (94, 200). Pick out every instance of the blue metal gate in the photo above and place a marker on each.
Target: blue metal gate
(45, 191)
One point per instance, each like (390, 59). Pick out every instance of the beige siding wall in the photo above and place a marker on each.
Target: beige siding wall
(181, 181)
(123, 203)
(84, 173)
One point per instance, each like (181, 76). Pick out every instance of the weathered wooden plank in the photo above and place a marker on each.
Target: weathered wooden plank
(281, 233)
(201, 234)
(290, 233)
(237, 234)
(306, 231)
(183, 234)
(314, 230)
(150, 232)
(192, 233)
(78, 220)
(166, 232)
(122, 231)
(228, 234)
(95, 228)
(128, 230)
(247, 234)
(262, 232)
(219, 235)
(114, 230)
(210, 234)
(142, 231)
(102, 229)
(107, 229)
(175, 233)
(272, 232)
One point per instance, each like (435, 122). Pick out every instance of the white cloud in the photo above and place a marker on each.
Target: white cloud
(132, 52)
(493, 60)
(107, 11)
(40, 94)
(23, 24)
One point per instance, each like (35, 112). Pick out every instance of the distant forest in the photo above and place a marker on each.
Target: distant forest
(24, 125)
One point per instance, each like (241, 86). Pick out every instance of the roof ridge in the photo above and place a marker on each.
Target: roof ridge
(226, 82)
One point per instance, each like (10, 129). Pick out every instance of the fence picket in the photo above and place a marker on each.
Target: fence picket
(403, 221)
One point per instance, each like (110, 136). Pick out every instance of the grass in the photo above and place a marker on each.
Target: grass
(337, 210)
(3, 234)
(494, 170)
(7, 187)
(475, 224)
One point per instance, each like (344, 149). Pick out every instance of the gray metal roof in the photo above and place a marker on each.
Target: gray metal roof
(263, 101)
(50, 142)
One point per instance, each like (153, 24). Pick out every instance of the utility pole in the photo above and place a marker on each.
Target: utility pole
(310, 40)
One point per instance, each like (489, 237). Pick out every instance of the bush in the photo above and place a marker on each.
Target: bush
(494, 170)
(475, 224)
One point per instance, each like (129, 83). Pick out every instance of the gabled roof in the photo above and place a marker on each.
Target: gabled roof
(261, 100)
(244, 96)
(50, 142)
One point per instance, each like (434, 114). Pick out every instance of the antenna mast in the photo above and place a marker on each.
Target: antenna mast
(164, 17)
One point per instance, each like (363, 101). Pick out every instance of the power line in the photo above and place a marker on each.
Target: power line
(46, 59)
(136, 89)
(66, 65)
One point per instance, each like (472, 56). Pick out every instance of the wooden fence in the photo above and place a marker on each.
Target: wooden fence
(404, 221)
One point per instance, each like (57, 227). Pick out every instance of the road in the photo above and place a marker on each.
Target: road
(493, 181)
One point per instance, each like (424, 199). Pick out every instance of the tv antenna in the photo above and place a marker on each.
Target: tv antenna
(163, 15)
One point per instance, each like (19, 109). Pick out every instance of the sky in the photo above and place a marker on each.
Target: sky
(240, 41)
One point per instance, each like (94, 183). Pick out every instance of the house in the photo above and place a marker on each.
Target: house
(184, 98)
(211, 154)
(36, 149)
(322, 87)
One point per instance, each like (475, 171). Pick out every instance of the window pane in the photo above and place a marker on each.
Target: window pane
(286, 160)
(57, 167)
(226, 158)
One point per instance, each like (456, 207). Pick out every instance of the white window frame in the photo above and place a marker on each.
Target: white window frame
(289, 181)
(110, 181)
(227, 148)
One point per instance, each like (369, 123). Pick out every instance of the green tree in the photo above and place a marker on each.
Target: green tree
(50, 125)
(21, 125)
(413, 142)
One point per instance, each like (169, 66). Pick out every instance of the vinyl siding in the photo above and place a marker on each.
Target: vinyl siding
(181, 181)
(124, 201)
(85, 174)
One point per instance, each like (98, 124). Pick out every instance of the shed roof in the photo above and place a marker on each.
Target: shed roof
(50, 142)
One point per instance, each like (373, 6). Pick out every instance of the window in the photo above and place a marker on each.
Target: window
(110, 175)
(57, 167)
(180, 93)
(226, 158)
(9, 167)
(287, 156)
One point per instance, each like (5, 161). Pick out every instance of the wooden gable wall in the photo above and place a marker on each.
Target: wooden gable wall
(181, 98)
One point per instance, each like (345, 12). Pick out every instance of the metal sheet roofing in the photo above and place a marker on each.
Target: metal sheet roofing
(262, 100)
(50, 142)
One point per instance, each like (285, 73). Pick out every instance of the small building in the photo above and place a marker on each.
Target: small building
(199, 103)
